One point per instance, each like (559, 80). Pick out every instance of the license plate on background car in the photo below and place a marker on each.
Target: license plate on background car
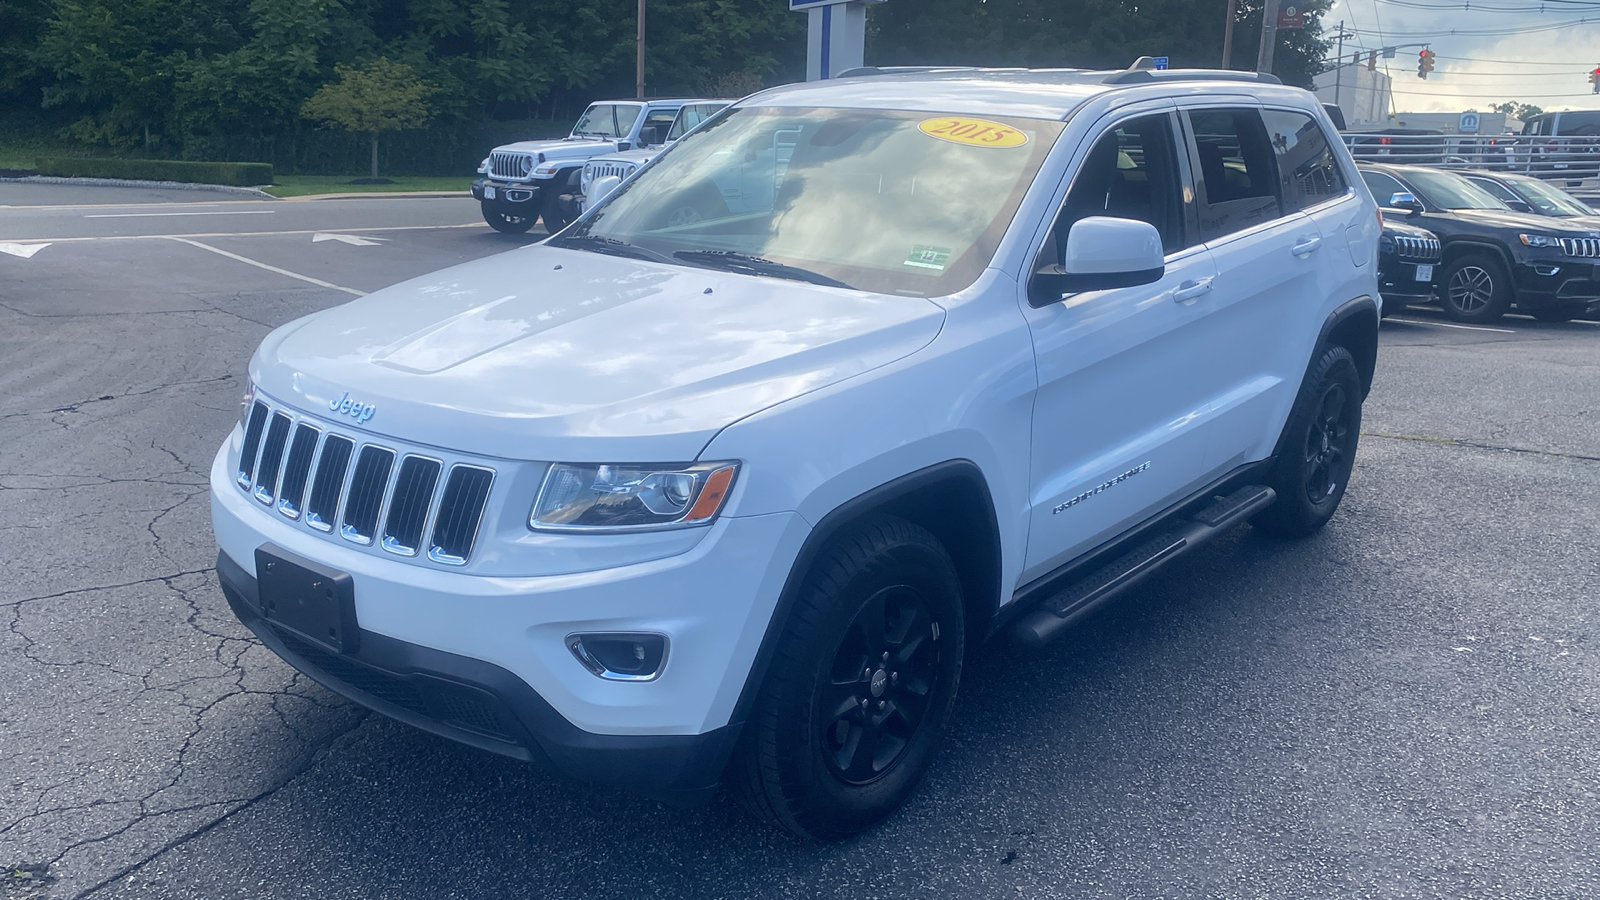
(488, 192)
(1424, 273)
(311, 600)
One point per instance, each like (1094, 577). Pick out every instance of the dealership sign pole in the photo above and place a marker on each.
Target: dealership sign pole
(836, 38)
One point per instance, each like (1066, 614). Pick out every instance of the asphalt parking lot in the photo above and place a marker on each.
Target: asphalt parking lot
(1407, 705)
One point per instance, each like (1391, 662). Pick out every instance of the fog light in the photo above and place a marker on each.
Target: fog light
(620, 656)
(1547, 270)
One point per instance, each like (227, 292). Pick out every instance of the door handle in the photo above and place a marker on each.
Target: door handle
(1189, 291)
(1305, 245)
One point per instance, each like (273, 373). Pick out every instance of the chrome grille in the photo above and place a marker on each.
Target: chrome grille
(332, 482)
(593, 170)
(364, 500)
(503, 164)
(408, 511)
(1422, 249)
(1586, 247)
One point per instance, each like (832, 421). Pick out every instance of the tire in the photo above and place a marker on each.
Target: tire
(1317, 451)
(1556, 313)
(505, 224)
(697, 205)
(878, 621)
(1475, 288)
(551, 211)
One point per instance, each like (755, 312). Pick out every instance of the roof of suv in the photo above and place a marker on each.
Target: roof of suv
(1027, 93)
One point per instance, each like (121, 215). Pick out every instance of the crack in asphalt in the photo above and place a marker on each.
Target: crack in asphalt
(1478, 445)
(75, 407)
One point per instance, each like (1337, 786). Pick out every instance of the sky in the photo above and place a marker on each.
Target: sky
(1548, 67)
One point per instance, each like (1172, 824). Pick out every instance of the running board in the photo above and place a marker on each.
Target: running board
(1060, 610)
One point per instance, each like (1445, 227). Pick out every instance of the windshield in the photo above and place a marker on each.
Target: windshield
(889, 201)
(1552, 201)
(690, 116)
(1448, 191)
(611, 120)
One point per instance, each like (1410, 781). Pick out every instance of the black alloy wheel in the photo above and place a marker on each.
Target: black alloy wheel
(852, 709)
(1475, 288)
(1317, 451)
(879, 685)
(506, 224)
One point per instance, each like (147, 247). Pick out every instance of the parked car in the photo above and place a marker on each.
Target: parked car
(1408, 260)
(656, 502)
(1564, 144)
(1526, 194)
(519, 183)
(623, 164)
(1494, 257)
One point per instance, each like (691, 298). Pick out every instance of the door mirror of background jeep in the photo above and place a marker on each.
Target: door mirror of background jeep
(1407, 201)
(599, 188)
(1102, 253)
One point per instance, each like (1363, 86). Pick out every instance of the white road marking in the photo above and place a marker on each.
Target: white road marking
(26, 251)
(350, 239)
(245, 234)
(1453, 325)
(261, 265)
(220, 212)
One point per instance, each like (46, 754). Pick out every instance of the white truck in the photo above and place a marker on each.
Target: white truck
(518, 183)
(661, 503)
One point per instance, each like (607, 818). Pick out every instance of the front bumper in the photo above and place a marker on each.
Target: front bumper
(1398, 280)
(1557, 281)
(508, 194)
(482, 659)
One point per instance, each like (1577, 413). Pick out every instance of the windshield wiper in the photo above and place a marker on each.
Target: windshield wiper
(594, 243)
(734, 261)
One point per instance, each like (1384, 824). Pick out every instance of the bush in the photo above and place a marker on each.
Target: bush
(236, 173)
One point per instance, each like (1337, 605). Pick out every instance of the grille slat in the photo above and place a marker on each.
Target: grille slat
(460, 511)
(1416, 248)
(408, 508)
(323, 510)
(271, 458)
(368, 493)
(252, 443)
(297, 471)
(510, 165)
(365, 499)
(1582, 247)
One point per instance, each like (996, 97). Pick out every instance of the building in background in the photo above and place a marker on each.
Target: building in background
(1362, 93)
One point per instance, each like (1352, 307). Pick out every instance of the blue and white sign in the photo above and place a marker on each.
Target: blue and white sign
(1468, 124)
(798, 5)
(1158, 62)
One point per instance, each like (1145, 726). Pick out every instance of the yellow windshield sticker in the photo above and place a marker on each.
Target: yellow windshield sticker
(975, 132)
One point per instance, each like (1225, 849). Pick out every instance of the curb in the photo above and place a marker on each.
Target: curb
(362, 195)
(124, 182)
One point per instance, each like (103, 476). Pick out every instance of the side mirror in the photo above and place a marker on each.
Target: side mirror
(649, 135)
(624, 145)
(1520, 206)
(1102, 253)
(1407, 201)
(599, 188)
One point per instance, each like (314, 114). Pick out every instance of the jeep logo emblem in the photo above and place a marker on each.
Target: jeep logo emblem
(355, 409)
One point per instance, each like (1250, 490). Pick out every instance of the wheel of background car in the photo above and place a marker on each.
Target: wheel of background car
(1557, 313)
(551, 209)
(704, 202)
(1318, 449)
(499, 221)
(1475, 288)
(861, 686)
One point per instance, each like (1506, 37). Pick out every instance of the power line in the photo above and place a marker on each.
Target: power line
(1468, 6)
(1488, 32)
(1490, 94)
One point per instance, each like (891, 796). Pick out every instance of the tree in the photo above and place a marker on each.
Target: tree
(382, 96)
(1517, 110)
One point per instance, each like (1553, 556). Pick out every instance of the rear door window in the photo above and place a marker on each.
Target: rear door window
(1307, 164)
(1236, 174)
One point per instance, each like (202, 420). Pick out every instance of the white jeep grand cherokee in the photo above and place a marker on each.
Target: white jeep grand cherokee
(656, 503)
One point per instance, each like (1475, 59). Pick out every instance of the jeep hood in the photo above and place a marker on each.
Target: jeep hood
(561, 148)
(1528, 222)
(536, 353)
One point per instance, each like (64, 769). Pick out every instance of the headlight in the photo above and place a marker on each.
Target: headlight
(246, 401)
(576, 497)
(1539, 240)
(483, 167)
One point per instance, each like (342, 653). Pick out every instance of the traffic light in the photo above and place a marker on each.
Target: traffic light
(1594, 81)
(1372, 61)
(1424, 63)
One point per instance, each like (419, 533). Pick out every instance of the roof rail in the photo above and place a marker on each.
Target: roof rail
(860, 71)
(1150, 76)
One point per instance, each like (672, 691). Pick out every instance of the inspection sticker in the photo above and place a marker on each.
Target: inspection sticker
(925, 257)
(974, 132)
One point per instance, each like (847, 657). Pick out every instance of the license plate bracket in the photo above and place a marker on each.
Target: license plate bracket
(1424, 273)
(313, 601)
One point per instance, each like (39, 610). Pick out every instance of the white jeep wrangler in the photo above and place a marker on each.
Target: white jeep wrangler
(518, 183)
(659, 503)
(623, 164)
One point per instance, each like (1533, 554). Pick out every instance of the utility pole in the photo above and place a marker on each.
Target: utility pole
(1227, 34)
(1338, 71)
(638, 65)
(1269, 36)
